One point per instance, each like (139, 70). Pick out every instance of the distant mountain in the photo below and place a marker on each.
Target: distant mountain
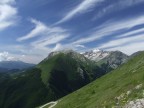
(11, 65)
(96, 55)
(66, 68)
(3, 70)
(61, 73)
(113, 60)
(56, 76)
(121, 88)
(107, 60)
(135, 54)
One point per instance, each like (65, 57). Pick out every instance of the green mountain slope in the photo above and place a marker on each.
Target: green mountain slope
(54, 77)
(23, 91)
(115, 89)
(66, 72)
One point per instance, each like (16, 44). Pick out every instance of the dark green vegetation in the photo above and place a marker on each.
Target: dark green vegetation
(113, 89)
(53, 78)
(64, 73)
(23, 91)
(56, 76)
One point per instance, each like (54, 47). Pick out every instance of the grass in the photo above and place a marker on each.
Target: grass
(104, 91)
(25, 91)
(52, 79)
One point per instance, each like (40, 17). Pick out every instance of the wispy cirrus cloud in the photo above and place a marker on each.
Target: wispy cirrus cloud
(7, 1)
(83, 7)
(53, 38)
(39, 29)
(129, 48)
(119, 5)
(110, 28)
(137, 31)
(123, 41)
(46, 36)
(42, 30)
(8, 14)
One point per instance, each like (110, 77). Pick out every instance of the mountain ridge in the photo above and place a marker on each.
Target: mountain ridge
(122, 87)
(15, 65)
(56, 76)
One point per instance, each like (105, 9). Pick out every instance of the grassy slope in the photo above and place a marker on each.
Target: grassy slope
(68, 65)
(55, 78)
(23, 91)
(60, 73)
(103, 91)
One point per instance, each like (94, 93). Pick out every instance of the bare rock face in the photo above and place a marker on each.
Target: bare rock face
(139, 103)
(110, 58)
(96, 55)
(115, 59)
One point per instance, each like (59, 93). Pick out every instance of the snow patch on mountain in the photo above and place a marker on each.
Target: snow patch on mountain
(96, 54)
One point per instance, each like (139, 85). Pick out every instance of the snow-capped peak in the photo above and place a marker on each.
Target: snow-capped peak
(96, 50)
(96, 54)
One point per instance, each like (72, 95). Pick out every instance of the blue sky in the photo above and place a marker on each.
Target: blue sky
(30, 30)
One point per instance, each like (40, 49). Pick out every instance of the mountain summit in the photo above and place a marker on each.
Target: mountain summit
(96, 54)
(59, 74)
(121, 88)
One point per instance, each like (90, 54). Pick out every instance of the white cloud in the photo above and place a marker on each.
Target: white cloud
(68, 46)
(5, 56)
(8, 14)
(123, 41)
(50, 35)
(24, 53)
(47, 36)
(30, 58)
(130, 48)
(128, 43)
(7, 1)
(39, 29)
(51, 39)
(110, 28)
(80, 46)
(58, 47)
(119, 5)
(83, 7)
(141, 30)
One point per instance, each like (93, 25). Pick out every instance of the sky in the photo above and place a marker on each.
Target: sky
(31, 29)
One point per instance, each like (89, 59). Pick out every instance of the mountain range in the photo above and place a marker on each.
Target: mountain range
(120, 88)
(58, 75)
(13, 66)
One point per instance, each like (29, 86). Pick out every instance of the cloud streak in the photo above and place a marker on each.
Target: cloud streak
(46, 36)
(39, 29)
(83, 7)
(8, 14)
(53, 38)
(110, 28)
(123, 41)
(129, 48)
(119, 5)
